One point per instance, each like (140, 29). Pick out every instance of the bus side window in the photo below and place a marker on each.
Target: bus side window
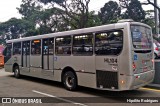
(8, 50)
(82, 44)
(26, 48)
(51, 46)
(109, 43)
(36, 47)
(17, 48)
(63, 45)
(45, 46)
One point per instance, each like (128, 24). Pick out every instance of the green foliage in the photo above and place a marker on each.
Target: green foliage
(28, 8)
(76, 13)
(151, 2)
(14, 28)
(51, 1)
(93, 20)
(134, 11)
(110, 13)
(150, 22)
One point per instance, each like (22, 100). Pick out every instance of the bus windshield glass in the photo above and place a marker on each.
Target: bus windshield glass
(141, 37)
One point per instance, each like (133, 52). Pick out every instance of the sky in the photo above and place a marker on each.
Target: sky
(8, 8)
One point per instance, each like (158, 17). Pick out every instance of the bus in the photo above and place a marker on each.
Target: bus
(114, 57)
(1, 56)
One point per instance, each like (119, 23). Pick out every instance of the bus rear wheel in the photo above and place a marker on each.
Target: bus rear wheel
(70, 81)
(16, 72)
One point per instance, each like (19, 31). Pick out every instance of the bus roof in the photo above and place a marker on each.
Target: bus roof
(77, 31)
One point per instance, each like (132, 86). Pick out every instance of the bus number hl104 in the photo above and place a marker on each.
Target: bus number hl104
(110, 60)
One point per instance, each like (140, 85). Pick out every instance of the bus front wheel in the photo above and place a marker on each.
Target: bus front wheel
(70, 81)
(16, 72)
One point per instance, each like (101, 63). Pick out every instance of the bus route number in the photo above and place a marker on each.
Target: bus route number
(110, 60)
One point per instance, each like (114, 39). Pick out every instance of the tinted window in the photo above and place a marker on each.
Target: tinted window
(45, 46)
(109, 43)
(83, 44)
(26, 48)
(36, 47)
(51, 46)
(48, 45)
(16, 48)
(8, 50)
(63, 45)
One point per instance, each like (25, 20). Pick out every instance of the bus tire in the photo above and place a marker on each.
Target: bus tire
(70, 81)
(16, 72)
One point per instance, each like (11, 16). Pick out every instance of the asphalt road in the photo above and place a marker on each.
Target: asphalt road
(27, 87)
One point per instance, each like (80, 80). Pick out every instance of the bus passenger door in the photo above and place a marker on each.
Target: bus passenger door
(47, 58)
(8, 57)
(26, 56)
(36, 58)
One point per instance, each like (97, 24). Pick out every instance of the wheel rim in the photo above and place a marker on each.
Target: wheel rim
(16, 72)
(69, 81)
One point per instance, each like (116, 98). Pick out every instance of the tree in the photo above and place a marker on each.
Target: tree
(110, 13)
(14, 28)
(75, 12)
(2, 40)
(134, 10)
(149, 2)
(149, 19)
(29, 7)
(124, 3)
(44, 20)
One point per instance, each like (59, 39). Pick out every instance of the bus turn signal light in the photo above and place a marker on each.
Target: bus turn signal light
(122, 82)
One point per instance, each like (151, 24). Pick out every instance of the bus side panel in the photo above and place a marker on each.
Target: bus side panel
(87, 80)
(17, 59)
(35, 65)
(82, 65)
(125, 55)
(8, 64)
(125, 72)
(61, 62)
(88, 77)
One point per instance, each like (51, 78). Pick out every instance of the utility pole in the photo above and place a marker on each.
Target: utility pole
(156, 19)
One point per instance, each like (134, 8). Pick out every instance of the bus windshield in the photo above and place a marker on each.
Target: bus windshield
(141, 37)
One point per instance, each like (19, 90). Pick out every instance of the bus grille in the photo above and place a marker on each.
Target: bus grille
(107, 79)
